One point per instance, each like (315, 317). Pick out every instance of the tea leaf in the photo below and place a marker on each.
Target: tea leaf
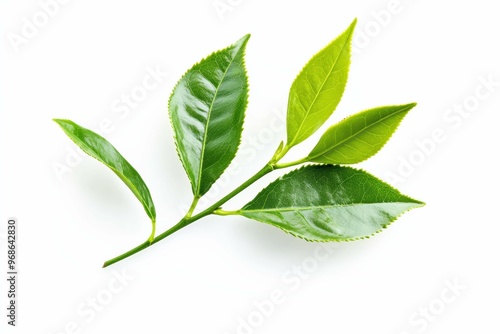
(328, 203)
(359, 136)
(102, 150)
(207, 108)
(318, 88)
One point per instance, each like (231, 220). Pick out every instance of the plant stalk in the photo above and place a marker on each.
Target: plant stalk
(193, 206)
(190, 219)
(290, 164)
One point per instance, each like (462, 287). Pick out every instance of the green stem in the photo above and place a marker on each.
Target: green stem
(148, 243)
(221, 212)
(152, 236)
(193, 206)
(216, 207)
(267, 169)
(290, 164)
(188, 219)
(127, 254)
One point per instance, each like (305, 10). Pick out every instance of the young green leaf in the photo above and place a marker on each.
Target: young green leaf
(102, 150)
(328, 203)
(318, 88)
(324, 202)
(359, 136)
(207, 108)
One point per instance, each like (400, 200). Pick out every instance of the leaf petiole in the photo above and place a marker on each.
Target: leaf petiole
(152, 236)
(290, 164)
(221, 212)
(192, 207)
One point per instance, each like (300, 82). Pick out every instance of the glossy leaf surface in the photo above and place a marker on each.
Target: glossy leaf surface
(102, 150)
(359, 136)
(318, 88)
(207, 108)
(328, 203)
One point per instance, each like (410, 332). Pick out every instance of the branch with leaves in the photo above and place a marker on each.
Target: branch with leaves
(321, 202)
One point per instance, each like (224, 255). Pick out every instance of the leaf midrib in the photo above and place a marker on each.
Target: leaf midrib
(356, 133)
(287, 209)
(321, 88)
(209, 114)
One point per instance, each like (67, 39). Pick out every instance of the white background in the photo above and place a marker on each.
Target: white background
(208, 277)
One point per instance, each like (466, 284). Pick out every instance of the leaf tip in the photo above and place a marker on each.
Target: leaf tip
(350, 30)
(407, 107)
(61, 121)
(411, 105)
(353, 23)
(416, 202)
(243, 40)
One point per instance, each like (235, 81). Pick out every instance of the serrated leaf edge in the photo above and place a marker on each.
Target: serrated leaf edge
(243, 63)
(351, 239)
(348, 43)
(409, 107)
(412, 200)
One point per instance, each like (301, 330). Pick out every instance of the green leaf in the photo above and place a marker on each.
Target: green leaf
(359, 136)
(318, 88)
(102, 150)
(207, 108)
(328, 203)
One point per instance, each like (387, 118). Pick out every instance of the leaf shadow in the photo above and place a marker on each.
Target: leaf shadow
(265, 242)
